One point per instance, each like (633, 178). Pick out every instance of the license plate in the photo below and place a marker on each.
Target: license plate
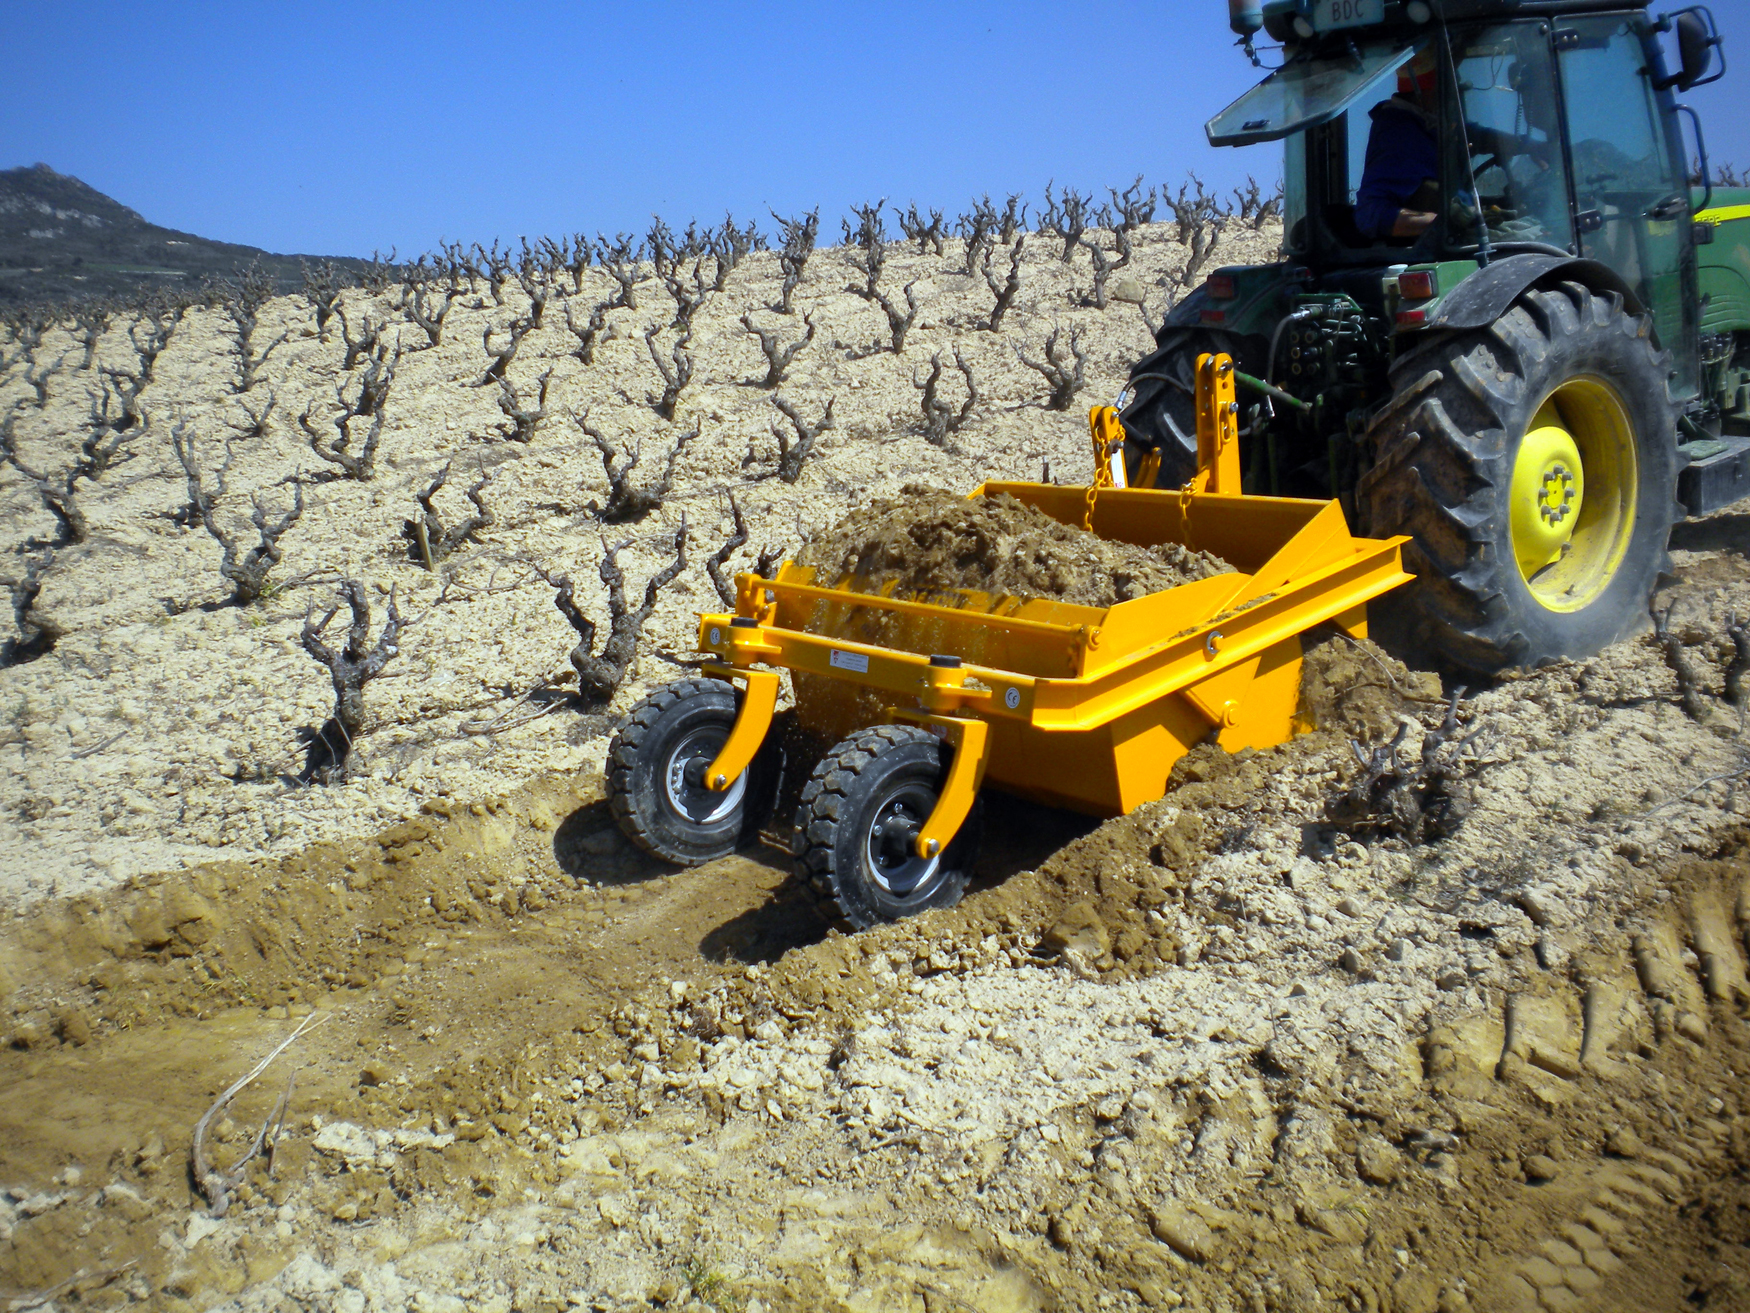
(1333, 14)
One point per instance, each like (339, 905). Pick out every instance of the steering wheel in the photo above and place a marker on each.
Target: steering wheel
(1508, 199)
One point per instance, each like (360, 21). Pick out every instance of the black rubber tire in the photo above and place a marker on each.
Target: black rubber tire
(851, 787)
(1163, 415)
(690, 716)
(1445, 448)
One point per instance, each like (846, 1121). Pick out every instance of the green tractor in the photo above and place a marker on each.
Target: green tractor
(1504, 322)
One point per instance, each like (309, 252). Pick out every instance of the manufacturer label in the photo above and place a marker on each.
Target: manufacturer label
(849, 661)
(716, 635)
(1012, 698)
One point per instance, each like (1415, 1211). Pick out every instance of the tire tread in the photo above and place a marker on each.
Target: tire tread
(823, 801)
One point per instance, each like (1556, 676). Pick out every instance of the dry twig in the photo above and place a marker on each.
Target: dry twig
(927, 233)
(420, 304)
(243, 299)
(870, 239)
(792, 456)
(1005, 291)
(216, 1184)
(718, 559)
(323, 285)
(898, 325)
(246, 570)
(373, 394)
(778, 359)
(504, 352)
(521, 420)
(366, 346)
(676, 371)
(1682, 668)
(799, 237)
(1064, 376)
(626, 501)
(1417, 802)
(589, 334)
(92, 319)
(431, 540)
(350, 669)
(622, 260)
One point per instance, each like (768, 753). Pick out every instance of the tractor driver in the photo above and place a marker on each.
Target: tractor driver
(1399, 196)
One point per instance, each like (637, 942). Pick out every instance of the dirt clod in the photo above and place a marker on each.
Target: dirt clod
(1187, 1233)
(1540, 1167)
(1377, 1161)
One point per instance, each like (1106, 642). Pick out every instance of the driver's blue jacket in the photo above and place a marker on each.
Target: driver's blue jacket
(1402, 154)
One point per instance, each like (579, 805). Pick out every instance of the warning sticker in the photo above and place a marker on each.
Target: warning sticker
(849, 661)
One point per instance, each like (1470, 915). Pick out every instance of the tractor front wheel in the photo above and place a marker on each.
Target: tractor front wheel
(860, 813)
(1533, 465)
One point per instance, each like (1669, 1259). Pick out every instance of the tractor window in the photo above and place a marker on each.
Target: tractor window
(1630, 198)
(1617, 140)
(1511, 143)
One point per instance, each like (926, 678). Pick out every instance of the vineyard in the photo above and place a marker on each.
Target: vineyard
(324, 606)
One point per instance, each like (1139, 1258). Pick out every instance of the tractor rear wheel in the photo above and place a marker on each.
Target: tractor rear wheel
(656, 774)
(1533, 464)
(860, 812)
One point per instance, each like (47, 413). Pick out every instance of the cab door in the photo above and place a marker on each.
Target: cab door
(1631, 195)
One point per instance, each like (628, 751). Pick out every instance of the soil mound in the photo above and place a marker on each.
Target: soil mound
(928, 542)
(1355, 688)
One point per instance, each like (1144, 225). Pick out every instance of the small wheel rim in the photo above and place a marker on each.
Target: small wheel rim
(893, 865)
(694, 803)
(1572, 500)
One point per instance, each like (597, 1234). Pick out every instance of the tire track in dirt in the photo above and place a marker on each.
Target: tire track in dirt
(460, 958)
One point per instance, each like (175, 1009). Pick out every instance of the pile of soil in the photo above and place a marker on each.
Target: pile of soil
(928, 542)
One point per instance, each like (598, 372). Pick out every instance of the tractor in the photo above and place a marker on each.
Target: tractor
(1534, 364)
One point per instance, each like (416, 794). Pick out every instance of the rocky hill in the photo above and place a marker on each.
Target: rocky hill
(61, 240)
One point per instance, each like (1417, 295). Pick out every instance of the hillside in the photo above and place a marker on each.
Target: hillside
(1240, 1050)
(62, 240)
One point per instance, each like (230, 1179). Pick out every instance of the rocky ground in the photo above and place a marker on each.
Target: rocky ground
(158, 731)
(1274, 1042)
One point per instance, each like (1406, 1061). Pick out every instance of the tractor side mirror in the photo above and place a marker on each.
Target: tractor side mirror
(1697, 40)
(1694, 50)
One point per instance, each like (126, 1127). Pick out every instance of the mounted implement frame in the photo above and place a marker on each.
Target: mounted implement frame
(1076, 706)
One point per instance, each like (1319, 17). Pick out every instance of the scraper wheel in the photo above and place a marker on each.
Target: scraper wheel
(656, 768)
(860, 811)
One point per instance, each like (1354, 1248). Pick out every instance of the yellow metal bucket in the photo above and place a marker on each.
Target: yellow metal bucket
(1081, 707)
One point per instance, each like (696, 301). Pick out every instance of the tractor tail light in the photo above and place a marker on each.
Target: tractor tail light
(1419, 285)
(1219, 287)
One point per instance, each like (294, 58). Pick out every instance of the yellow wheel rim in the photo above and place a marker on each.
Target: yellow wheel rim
(1572, 499)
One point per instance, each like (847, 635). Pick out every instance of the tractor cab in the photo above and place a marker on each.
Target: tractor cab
(1551, 133)
(1502, 322)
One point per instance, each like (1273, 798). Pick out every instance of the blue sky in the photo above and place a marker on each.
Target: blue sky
(339, 129)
